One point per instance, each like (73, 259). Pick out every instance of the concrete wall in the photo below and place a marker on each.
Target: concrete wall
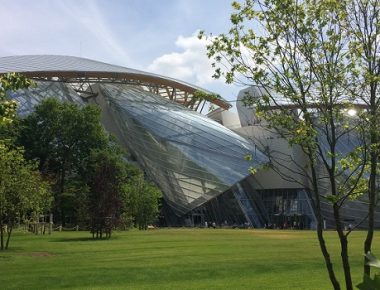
(229, 119)
(288, 161)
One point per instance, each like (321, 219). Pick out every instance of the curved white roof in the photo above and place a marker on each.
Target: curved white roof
(44, 63)
(78, 67)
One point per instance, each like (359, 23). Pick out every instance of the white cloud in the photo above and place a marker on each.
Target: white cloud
(190, 64)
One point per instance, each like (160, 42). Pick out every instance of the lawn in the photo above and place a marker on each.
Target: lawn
(173, 259)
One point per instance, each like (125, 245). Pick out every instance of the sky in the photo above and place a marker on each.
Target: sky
(158, 36)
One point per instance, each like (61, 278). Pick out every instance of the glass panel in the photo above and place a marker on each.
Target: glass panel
(29, 98)
(188, 155)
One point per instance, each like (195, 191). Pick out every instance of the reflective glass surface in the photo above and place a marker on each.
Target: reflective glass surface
(29, 98)
(191, 157)
(288, 208)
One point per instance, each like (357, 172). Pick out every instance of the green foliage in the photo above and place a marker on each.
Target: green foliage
(200, 95)
(22, 190)
(108, 176)
(142, 201)
(119, 192)
(313, 60)
(10, 82)
(252, 170)
(125, 221)
(75, 201)
(61, 137)
(8, 120)
(91, 179)
(248, 157)
(299, 59)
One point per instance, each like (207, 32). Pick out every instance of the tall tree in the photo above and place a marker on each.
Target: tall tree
(21, 188)
(61, 137)
(108, 175)
(297, 52)
(363, 24)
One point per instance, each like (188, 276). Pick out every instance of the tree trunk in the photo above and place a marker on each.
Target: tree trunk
(344, 247)
(321, 240)
(1, 234)
(9, 235)
(374, 155)
(371, 211)
(61, 190)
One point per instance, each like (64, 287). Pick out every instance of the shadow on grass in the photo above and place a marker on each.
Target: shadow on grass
(81, 239)
(6, 258)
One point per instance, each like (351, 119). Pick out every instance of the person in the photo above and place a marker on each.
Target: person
(206, 225)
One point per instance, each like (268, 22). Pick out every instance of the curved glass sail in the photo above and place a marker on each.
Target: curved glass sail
(191, 157)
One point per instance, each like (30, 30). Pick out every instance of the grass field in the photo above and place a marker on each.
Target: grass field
(173, 259)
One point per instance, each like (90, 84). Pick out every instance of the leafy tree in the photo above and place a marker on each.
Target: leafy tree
(21, 188)
(363, 24)
(61, 137)
(307, 53)
(22, 191)
(85, 165)
(10, 81)
(75, 201)
(142, 201)
(118, 194)
(106, 188)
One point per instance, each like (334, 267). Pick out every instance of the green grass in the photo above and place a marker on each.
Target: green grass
(174, 259)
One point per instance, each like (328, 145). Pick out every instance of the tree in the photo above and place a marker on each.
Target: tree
(363, 23)
(118, 193)
(22, 191)
(303, 52)
(85, 165)
(61, 137)
(108, 175)
(142, 201)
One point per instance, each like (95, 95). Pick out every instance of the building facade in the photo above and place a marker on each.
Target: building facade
(198, 161)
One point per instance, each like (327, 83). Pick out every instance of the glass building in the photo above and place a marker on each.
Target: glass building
(192, 158)
(197, 160)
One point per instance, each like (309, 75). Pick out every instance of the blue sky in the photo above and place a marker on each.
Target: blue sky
(152, 35)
